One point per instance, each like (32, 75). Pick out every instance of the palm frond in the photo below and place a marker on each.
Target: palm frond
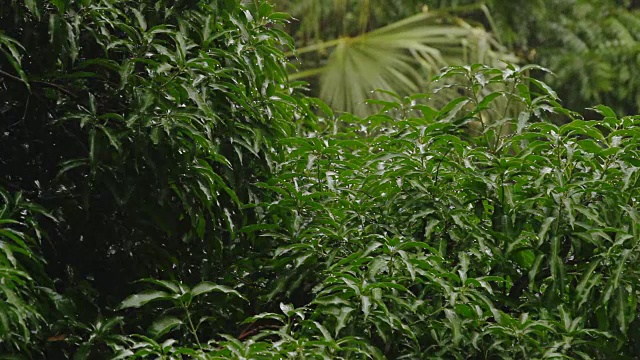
(399, 57)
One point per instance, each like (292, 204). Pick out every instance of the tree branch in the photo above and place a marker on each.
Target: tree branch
(43, 83)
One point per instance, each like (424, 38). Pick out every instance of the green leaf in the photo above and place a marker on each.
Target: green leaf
(451, 110)
(533, 272)
(366, 305)
(605, 111)
(455, 326)
(33, 7)
(138, 300)
(325, 333)
(279, 16)
(172, 286)
(83, 352)
(586, 283)
(8, 253)
(557, 265)
(9, 48)
(60, 4)
(163, 326)
(140, 18)
(206, 287)
(542, 86)
(544, 229)
(486, 101)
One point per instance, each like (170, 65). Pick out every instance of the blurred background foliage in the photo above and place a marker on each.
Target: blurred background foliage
(348, 47)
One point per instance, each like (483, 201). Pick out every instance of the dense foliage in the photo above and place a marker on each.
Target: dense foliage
(426, 242)
(139, 126)
(592, 47)
(167, 193)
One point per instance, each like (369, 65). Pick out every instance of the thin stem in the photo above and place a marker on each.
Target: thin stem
(47, 84)
(504, 114)
(192, 327)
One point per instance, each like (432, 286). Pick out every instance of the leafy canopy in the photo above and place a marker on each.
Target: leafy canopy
(139, 126)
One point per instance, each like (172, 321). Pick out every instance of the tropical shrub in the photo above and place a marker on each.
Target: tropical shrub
(406, 235)
(139, 126)
(24, 286)
(421, 241)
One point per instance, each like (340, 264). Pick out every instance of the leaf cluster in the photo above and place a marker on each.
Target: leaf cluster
(421, 241)
(139, 125)
(407, 234)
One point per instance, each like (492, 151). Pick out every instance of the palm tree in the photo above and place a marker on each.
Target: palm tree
(348, 51)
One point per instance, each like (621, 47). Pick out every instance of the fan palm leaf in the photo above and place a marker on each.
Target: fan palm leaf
(399, 57)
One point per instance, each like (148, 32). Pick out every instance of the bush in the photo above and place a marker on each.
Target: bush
(139, 125)
(406, 235)
(24, 286)
(403, 236)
